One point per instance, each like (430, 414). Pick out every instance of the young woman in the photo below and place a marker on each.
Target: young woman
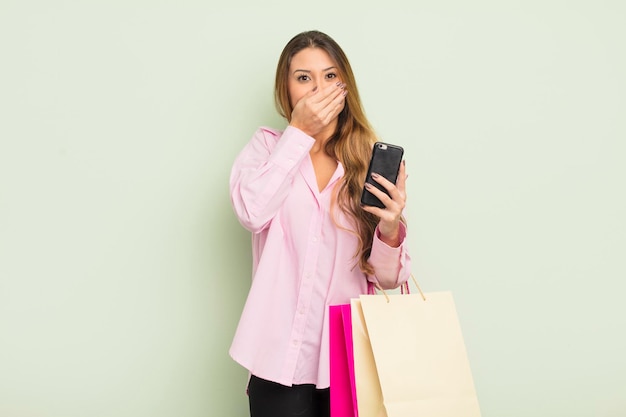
(313, 244)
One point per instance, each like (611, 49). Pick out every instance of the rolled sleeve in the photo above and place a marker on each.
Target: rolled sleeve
(262, 174)
(392, 266)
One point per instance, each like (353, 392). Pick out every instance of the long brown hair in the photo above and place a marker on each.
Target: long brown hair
(352, 142)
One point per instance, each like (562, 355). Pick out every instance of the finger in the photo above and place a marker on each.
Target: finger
(334, 109)
(314, 91)
(300, 107)
(388, 185)
(382, 196)
(402, 176)
(328, 95)
(386, 214)
(396, 191)
(376, 211)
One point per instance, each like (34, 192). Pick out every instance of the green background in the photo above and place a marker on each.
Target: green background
(123, 270)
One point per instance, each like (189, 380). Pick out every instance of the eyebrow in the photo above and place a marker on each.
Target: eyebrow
(308, 71)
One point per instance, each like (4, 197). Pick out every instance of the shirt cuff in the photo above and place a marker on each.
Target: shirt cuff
(401, 236)
(389, 263)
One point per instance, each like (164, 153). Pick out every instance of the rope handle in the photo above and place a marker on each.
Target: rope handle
(404, 289)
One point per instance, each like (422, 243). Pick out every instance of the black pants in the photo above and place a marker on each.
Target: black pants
(269, 399)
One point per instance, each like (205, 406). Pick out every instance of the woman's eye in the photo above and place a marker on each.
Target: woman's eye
(331, 75)
(303, 78)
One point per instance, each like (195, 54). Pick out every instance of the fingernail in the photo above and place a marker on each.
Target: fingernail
(368, 185)
(315, 88)
(404, 162)
(345, 92)
(339, 84)
(375, 175)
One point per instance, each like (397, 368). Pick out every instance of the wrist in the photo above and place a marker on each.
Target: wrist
(389, 234)
(295, 124)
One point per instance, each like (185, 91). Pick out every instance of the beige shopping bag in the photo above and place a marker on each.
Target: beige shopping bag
(368, 393)
(419, 354)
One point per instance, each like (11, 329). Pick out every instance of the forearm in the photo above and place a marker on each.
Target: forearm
(262, 175)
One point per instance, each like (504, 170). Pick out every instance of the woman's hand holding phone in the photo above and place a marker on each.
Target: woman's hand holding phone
(393, 201)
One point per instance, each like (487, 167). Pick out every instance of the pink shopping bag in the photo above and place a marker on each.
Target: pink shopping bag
(342, 387)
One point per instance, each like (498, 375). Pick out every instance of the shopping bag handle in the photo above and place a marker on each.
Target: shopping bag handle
(404, 289)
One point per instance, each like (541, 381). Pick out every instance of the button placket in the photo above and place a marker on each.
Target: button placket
(306, 287)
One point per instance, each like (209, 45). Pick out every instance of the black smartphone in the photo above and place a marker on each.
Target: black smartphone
(385, 161)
